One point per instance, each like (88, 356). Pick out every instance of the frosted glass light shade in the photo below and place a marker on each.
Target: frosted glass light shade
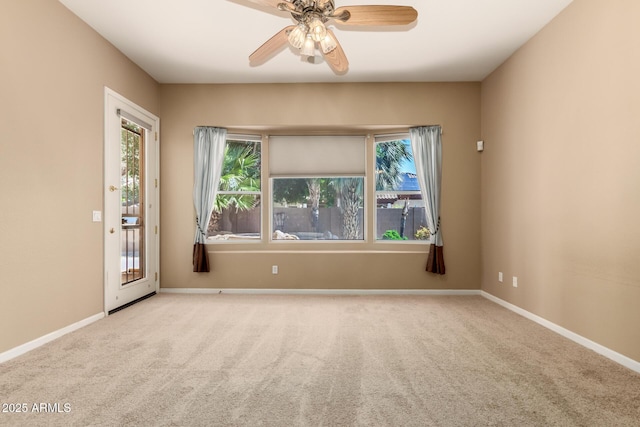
(309, 47)
(328, 44)
(317, 29)
(298, 36)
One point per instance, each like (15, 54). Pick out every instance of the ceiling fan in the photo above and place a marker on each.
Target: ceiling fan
(311, 30)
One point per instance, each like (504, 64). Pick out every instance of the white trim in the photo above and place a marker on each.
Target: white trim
(579, 339)
(243, 137)
(388, 137)
(247, 291)
(31, 345)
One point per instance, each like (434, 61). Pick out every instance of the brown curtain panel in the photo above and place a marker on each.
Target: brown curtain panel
(435, 262)
(200, 258)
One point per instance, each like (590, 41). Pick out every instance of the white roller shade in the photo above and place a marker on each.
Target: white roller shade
(317, 155)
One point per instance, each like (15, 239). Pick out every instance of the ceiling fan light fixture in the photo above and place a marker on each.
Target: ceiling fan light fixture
(317, 29)
(310, 31)
(309, 47)
(298, 36)
(328, 44)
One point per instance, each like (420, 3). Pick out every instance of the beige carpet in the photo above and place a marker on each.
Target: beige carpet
(255, 360)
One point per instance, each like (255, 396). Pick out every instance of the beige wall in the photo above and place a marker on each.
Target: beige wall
(561, 174)
(53, 69)
(339, 107)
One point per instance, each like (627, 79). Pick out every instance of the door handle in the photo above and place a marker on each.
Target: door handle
(113, 188)
(112, 230)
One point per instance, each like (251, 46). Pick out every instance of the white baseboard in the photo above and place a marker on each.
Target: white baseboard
(585, 342)
(457, 292)
(22, 349)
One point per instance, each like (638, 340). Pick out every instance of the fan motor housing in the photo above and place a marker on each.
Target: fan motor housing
(305, 10)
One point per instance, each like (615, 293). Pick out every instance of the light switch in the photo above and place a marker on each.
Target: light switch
(97, 216)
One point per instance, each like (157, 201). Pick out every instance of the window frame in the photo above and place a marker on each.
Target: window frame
(255, 139)
(380, 139)
(369, 216)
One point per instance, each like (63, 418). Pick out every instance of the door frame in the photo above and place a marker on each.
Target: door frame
(114, 103)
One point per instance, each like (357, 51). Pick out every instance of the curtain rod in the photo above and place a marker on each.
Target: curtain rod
(384, 135)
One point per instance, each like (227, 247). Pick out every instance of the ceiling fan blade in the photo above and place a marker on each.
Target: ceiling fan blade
(375, 15)
(336, 59)
(270, 47)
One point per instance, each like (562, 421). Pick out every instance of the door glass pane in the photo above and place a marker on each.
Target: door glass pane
(132, 203)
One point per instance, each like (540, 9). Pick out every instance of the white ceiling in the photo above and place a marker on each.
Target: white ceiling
(209, 41)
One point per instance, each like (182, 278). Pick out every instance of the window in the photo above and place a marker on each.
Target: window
(399, 206)
(318, 208)
(237, 208)
(317, 187)
(317, 190)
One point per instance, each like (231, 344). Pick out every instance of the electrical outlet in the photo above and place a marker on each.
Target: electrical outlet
(515, 282)
(500, 276)
(274, 269)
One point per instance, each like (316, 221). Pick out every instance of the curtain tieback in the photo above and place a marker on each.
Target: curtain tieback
(437, 228)
(199, 227)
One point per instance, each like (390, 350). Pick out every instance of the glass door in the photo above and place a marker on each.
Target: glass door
(132, 238)
(130, 203)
